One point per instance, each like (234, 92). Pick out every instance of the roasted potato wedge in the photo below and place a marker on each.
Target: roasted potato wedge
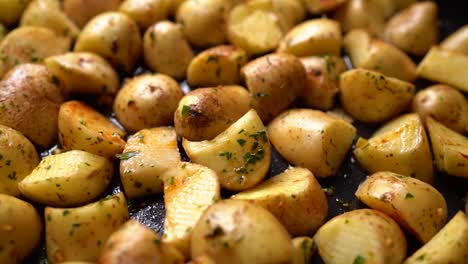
(361, 14)
(325, 138)
(457, 41)
(294, 197)
(234, 231)
(415, 205)
(145, 12)
(304, 248)
(11, 10)
(81, 11)
(400, 146)
(240, 155)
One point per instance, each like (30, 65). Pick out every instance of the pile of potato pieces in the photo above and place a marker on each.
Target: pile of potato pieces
(258, 58)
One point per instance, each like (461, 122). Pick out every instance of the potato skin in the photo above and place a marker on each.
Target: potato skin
(319, 6)
(81, 11)
(21, 229)
(145, 12)
(364, 14)
(29, 102)
(11, 10)
(147, 101)
(457, 41)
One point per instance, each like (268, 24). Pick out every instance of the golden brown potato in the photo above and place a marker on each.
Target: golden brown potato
(81, 11)
(30, 99)
(414, 29)
(444, 104)
(11, 10)
(115, 37)
(234, 231)
(145, 12)
(21, 229)
(320, 6)
(147, 101)
(160, 43)
(402, 4)
(361, 14)
(204, 113)
(219, 65)
(136, 243)
(274, 81)
(457, 41)
(415, 205)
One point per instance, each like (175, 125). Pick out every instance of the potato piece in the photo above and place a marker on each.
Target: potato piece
(47, 13)
(188, 190)
(136, 243)
(325, 138)
(374, 54)
(3, 31)
(415, 205)
(414, 29)
(233, 231)
(29, 44)
(294, 197)
(319, 6)
(240, 155)
(29, 102)
(84, 72)
(147, 155)
(160, 43)
(115, 37)
(400, 146)
(322, 80)
(371, 97)
(361, 236)
(450, 149)
(81, 127)
(145, 12)
(203, 259)
(11, 10)
(447, 246)
(361, 14)
(146, 101)
(304, 249)
(457, 41)
(318, 36)
(18, 158)
(204, 113)
(446, 67)
(402, 4)
(81, 11)
(21, 229)
(219, 65)
(445, 104)
(274, 81)
(71, 178)
(79, 234)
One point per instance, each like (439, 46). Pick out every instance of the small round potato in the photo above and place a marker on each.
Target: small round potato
(362, 14)
(11, 10)
(444, 104)
(20, 231)
(145, 12)
(81, 11)
(235, 231)
(114, 36)
(30, 99)
(160, 43)
(147, 101)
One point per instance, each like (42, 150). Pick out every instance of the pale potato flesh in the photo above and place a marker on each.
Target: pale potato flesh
(457, 41)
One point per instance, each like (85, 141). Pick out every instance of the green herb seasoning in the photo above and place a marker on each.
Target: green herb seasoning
(127, 155)
(359, 260)
(409, 196)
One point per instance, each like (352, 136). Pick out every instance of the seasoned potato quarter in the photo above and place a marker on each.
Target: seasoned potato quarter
(361, 14)
(450, 149)
(457, 41)
(219, 65)
(304, 249)
(81, 11)
(274, 81)
(240, 155)
(115, 37)
(447, 246)
(161, 41)
(444, 104)
(234, 231)
(71, 178)
(21, 229)
(145, 12)
(30, 99)
(147, 155)
(321, 86)
(415, 205)
(371, 97)
(18, 158)
(361, 236)
(320, 36)
(147, 101)
(136, 243)
(79, 234)
(83, 128)
(84, 72)
(204, 113)
(320, 6)
(414, 29)
(188, 190)
(294, 197)
(29, 44)
(400, 146)
(325, 138)
(11, 10)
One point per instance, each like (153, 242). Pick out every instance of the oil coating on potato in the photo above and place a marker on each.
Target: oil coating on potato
(145, 12)
(81, 11)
